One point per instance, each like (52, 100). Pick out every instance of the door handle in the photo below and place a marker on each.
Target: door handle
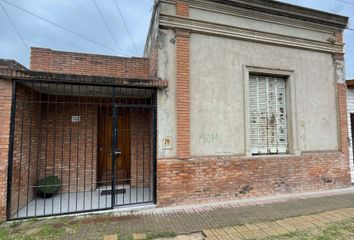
(117, 152)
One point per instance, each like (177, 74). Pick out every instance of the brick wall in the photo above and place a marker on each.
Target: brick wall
(69, 149)
(48, 60)
(5, 114)
(141, 147)
(209, 179)
(27, 147)
(182, 95)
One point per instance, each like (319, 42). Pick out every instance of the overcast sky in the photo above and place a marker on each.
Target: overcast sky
(83, 18)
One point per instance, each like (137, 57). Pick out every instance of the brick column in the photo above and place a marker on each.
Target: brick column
(343, 120)
(182, 9)
(182, 86)
(182, 92)
(5, 119)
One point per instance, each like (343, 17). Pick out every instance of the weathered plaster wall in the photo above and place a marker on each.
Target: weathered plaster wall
(217, 84)
(217, 93)
(266, 26)
(167, 97)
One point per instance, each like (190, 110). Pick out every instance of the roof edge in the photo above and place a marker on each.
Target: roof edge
(290, 10)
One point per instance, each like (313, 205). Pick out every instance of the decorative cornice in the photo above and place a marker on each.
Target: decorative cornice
(276, 8)
(209, 28)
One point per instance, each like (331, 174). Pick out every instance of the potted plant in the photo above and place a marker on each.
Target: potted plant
(48, 187)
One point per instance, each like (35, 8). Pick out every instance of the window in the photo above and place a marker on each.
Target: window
(268, 115)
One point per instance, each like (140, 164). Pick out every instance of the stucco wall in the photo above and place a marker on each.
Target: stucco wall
(217, 93)
(166, 112)
(217, 84)
(237, 20)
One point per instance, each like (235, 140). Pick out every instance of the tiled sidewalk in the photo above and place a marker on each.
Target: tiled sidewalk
(260, 213)
(279, 227)
(184, 220)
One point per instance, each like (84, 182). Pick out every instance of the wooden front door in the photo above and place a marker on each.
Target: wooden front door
(105, 137)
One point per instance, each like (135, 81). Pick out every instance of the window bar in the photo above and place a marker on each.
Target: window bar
(77, 148)
(258, 117)
(62, 118)
(39, 136)
(267, 97)
(54, 136)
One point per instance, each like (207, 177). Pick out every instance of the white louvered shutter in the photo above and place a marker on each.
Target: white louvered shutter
(268, 133)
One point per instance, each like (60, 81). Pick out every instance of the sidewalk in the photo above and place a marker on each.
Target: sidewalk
(188, 219)
(279, 227)
(193, 219)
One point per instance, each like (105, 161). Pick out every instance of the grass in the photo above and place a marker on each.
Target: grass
(151, 236)
(336, 231)
(29, 231)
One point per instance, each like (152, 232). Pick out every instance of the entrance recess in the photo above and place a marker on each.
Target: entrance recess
(79, 148)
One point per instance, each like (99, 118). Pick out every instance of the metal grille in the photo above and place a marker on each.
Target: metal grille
(268, 115)
(78, 148)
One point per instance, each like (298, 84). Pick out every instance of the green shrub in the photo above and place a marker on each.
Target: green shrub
(48, 187)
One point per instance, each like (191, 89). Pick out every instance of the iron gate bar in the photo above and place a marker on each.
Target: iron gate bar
(114, 146)
(38, 148)
(62, 150)
(154, 147)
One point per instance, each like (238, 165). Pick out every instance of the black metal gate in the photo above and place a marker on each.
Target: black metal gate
(80, 147)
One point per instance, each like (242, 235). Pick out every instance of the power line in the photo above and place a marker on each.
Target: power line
(14, 26)
(126, 26)
(344, 1)
(59, 26)
(107, 26)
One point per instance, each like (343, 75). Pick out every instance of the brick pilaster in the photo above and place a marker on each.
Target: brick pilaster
(5, 119)
(182, 85)
(343, 124)
(182, 92)
(338, 37)
(182, 9)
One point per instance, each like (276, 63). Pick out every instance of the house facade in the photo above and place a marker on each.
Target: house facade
(232, 99)
(256, 100)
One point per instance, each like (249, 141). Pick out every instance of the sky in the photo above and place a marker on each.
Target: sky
(121, 37)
